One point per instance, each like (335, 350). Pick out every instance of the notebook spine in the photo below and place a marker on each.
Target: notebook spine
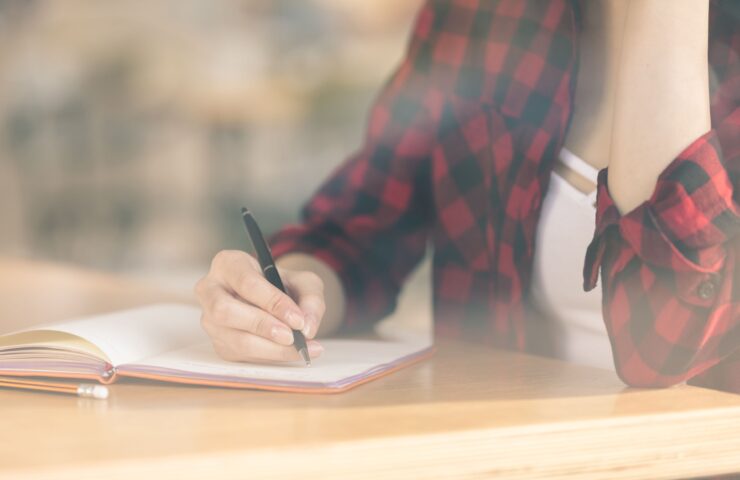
(109, 375)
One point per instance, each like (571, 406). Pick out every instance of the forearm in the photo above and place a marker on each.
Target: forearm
(662, 102)
(333, 290)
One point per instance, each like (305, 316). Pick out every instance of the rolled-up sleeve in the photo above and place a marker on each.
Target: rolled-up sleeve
(669, 270)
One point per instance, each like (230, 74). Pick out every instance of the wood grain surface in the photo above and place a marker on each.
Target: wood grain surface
(470, 412)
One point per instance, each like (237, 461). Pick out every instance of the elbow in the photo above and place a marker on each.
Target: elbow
(635, 370)
(658, 350)
(639, 379)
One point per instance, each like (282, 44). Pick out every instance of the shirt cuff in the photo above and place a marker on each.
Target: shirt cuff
(297, 239)
(682, 227)
(368, 297)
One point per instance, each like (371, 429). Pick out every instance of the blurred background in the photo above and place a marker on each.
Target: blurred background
(132, 132)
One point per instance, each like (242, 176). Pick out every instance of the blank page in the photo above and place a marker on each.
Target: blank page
(343, 362)
(167, 340)
(126, 336)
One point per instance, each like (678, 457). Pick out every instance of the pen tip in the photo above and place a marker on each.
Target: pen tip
(306, 358)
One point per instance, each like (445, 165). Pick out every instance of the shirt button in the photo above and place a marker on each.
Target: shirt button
(706, 290)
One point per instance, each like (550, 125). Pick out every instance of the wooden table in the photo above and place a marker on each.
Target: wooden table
(470, 412)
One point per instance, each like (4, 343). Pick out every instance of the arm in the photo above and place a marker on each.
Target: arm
(669, 261)
(662, 98)
(363, 227)
(445, 128)
(453, 97)
(366, 227)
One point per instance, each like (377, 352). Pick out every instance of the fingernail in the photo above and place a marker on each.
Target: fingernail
(282, 334)
(315, 349)
(310, 326)
(295, 319)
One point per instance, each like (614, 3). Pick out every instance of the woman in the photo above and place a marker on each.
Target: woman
(494, 103)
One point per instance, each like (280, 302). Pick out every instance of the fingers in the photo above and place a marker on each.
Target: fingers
(239, 346)
(308, 290)
(248, 319)
(221, 308)
(240, 275)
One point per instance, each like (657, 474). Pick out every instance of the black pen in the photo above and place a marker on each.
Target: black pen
(271, 274)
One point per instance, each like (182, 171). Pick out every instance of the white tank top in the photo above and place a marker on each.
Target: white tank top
(565, 229)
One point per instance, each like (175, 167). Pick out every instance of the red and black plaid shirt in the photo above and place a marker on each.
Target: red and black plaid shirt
(459, 151)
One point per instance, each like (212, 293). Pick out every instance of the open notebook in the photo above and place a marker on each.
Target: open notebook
(166, 342)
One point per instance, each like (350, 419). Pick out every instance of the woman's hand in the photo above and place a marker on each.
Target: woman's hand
(248, 319)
